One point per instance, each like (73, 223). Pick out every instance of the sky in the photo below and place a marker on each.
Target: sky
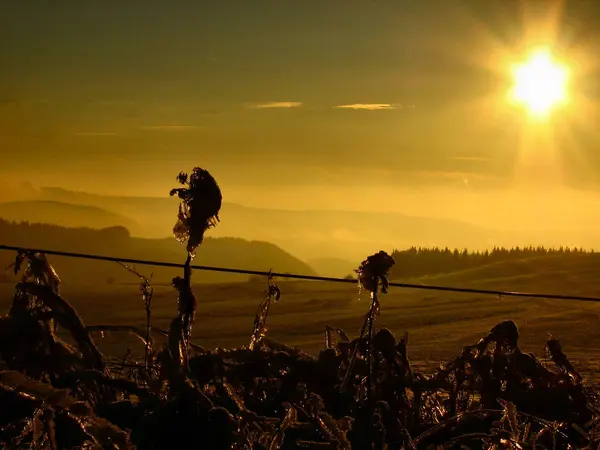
(301, 103)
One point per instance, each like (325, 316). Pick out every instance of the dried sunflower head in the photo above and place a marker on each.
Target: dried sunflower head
(374, 269)
(199, 208)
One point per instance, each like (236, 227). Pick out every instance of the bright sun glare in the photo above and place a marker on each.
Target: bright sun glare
(540, 83)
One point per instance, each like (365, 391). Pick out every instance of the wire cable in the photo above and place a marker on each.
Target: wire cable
(500, 293)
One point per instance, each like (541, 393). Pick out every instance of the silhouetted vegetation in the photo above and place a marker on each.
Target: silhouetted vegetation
(359, 393)
(419, 261)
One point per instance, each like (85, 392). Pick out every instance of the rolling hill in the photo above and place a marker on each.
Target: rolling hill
(349, 235)
(116, 241)
(314, 234)
(563, 273)
(65, 214)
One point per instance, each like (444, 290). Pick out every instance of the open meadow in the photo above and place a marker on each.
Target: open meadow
(439, 323)
(463, 377)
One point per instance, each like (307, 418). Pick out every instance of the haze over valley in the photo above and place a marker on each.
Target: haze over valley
(334, 240)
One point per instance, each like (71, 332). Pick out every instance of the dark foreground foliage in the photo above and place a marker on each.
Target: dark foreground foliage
(358, 393)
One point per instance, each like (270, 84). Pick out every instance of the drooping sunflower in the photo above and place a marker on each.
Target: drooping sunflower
(375, 269)
(201, 200)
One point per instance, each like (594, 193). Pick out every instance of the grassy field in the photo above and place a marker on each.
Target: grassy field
(438, 323)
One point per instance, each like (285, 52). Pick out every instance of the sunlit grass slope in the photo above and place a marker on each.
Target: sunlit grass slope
(439, 323)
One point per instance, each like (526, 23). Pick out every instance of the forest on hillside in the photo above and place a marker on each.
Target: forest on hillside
(420, 261)
(59, 235)
(232, 252)
(116, 241)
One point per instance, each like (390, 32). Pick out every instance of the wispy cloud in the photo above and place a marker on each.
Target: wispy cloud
(455, 175)
(169, 127)
(272, 105)
(112, 102)
(4, 101)
(470, 158)
(369, 106)
(18, 102)
(463, 178)
(96, 134)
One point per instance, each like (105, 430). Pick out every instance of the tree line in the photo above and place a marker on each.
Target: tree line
(419, 261)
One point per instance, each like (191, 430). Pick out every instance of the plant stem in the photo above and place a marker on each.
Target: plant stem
(367, 323)
(371, 318)
(148, 329)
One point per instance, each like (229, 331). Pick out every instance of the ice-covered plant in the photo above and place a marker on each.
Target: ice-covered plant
(147, 292)
(372, 273)
(199, 208)
(201, 200)
(260, 321)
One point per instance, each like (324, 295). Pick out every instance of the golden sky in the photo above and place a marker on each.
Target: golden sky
(369, 103)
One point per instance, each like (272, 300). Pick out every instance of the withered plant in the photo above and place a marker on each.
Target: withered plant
(199, 208)
(372, 273)
(201, 200)
(147, 292)
(272, 293)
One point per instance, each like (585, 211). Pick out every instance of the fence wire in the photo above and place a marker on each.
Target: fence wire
(142, 262)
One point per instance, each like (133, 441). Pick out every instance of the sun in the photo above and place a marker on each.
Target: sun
(540, 83)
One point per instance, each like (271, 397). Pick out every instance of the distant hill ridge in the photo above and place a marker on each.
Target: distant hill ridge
(329, 238)
(65, 214)
(308, 234)
(117, 241)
